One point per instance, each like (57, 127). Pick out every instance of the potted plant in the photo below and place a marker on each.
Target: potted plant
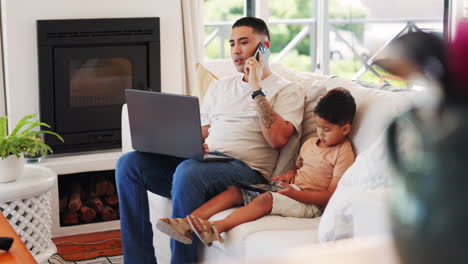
(22, 139)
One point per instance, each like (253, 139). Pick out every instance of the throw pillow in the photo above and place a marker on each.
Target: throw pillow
(375, 109)
(313, 92)
(204, 77)
(371, 171)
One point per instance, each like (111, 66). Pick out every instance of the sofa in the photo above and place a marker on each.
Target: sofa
(356, 209)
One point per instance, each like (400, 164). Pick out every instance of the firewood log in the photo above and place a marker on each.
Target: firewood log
(97, 204)
(108, 213)
(91, 188)
(101, 187)
(86, 214)
(70, 218)
(111, 189)
(75, 198)
(117, 210)
(63, 202)
(111, 199)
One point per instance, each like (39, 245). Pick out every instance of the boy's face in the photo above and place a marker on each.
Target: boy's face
(331, 134)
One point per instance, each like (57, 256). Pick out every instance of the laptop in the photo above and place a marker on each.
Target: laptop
(167, 124)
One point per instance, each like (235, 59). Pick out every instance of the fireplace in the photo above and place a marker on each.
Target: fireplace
(85, 65)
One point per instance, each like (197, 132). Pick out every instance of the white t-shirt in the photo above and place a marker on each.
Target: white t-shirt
(235, 129)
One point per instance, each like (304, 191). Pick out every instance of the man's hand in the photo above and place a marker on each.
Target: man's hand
(254, 70)
(205, 148)
(287, 177)
(288, 191)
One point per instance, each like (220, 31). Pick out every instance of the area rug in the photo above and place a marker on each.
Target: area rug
(57, 259)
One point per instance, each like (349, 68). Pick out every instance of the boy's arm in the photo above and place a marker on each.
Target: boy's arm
(287, 177)
(319, 198)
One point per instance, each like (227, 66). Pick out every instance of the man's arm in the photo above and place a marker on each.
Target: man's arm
(275, 129)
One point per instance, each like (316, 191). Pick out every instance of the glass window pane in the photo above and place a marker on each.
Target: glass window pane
(359, 29)
(292, 27)
(219, 15)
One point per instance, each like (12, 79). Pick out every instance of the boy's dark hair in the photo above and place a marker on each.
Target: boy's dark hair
(259, 26)
(337, 107)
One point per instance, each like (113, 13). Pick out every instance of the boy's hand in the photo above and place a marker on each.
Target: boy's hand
(288, 191)
(287, 177)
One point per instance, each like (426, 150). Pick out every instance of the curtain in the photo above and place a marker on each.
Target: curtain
(193, 34)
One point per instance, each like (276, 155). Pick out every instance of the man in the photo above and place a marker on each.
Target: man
(249, 117)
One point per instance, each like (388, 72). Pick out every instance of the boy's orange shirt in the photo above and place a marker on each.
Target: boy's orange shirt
(317, 166)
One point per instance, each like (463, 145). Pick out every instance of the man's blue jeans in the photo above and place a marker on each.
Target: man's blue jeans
(189, 183)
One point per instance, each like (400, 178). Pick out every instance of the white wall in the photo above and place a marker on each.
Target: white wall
(2, 89)
(20, 44)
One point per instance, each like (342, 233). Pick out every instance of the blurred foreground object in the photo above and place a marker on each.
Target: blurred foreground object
(458, 53)
(430, 152)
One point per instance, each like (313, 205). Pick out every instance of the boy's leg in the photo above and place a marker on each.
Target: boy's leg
(136, 173)
(259, 207)
(223, 201)
(196, 182)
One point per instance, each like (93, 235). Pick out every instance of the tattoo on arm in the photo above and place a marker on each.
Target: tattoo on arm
(267, 115)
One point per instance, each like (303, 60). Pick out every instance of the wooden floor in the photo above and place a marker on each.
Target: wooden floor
(79, 252)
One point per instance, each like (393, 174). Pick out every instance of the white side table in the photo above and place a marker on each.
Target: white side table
(26, 203)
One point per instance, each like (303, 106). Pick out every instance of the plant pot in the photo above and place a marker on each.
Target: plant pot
(34, 158)
(11, 168)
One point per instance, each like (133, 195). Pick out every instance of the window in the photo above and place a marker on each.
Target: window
(352, 32)
(219, 15)
(359, 29)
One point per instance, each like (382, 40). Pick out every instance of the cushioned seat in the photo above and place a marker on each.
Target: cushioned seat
(272, 235)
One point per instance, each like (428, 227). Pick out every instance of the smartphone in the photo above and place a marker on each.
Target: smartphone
(265, 52)
(259, 187)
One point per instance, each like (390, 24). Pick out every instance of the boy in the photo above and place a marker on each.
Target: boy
(308, 188)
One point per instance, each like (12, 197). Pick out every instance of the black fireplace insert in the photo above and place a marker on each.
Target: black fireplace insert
(85, 65)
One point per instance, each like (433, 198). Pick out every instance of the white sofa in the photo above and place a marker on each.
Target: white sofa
(343, 217)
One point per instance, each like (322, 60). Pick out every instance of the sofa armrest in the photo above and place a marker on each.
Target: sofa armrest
(126, 137)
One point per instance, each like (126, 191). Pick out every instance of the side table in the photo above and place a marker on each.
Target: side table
(26, 203)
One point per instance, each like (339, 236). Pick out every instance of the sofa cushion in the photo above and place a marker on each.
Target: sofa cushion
(204, 78)
(259, 238)
(314, 87)
(371, 170)
(375, 108)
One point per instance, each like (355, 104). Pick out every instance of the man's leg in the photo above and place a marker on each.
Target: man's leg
(136, 173)
(196, 182)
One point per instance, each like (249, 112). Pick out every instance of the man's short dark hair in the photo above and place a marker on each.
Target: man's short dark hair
(337, 107)
(259, 26)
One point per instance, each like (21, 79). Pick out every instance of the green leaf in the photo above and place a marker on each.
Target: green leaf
(3, 127)
(33, 125)
(24, 140)
(22, 123)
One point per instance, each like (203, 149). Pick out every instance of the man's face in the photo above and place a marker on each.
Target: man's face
(243, 44)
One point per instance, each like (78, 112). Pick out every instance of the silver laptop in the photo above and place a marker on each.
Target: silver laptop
(166, 124)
